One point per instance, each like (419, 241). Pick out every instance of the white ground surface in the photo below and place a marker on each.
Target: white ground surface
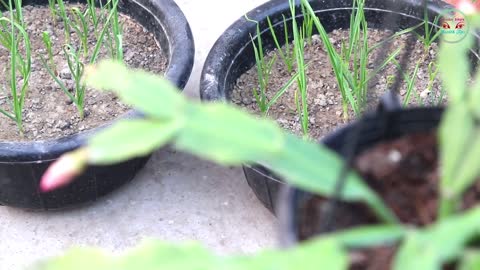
(177, 197)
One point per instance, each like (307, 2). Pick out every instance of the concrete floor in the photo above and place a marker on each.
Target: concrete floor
(176, 197)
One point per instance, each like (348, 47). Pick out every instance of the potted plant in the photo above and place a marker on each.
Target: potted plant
(315, 99)
(422, 163)
(367, 231)
(73, 35)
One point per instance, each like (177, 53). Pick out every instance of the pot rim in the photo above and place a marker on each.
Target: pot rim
(289, 195)
(181, 50)
(213, 89)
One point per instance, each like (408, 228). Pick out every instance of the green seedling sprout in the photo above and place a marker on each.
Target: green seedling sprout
(395, 35)
(52, 5)
(74, 59)
(12, 34)
(18, 14)
(114, 37)
(80, 26)
(110, 43)
(298, 48)
(356, 54)
(350, 65)
(5, 34)
(101, 36)
(66, 21)
(410, 79)
(117, 33)
(76, 68)
(92, 12)
(429, 35)
(432, 75)
(119, 45)
(286, 55)
(352, 83)
(18, 64)
(338, 65)
(411, 86)
(307, 25)
(263, 69)
(100, 17)
(47, 41)
(108, 35)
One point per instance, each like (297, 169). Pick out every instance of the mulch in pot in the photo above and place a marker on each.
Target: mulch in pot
(405, 173)
(48, 112)
(324, 98)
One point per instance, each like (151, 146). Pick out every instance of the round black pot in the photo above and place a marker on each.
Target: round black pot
(377, 127)
(23, 164)
(233, 54)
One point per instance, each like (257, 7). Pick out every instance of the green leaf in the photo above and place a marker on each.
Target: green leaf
(315, 168)
(131, 138)
(468, 169)
(368, 236)
(439, 243)
(454, 65)
(416, 253)
(474, 95)
(158, 255)
(474, 99)
(229, 136)
(78, 259)
(310, 255)
(470, 260)
(456, 138)
(224, 134)
(155, 255)
(148, 93)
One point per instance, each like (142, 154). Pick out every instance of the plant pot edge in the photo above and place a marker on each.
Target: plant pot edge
(216, 78)
(181, 57)
(35, 156)
(289, 195)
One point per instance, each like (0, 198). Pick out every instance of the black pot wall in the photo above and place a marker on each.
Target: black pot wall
(23, 164)
(376, 128)
(233, 54)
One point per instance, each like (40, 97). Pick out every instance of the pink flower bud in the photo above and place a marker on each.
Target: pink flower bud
(64, 170)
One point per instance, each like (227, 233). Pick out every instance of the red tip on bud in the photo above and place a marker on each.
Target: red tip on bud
(64, 170)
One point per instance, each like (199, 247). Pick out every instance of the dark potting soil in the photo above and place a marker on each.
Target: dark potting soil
(405, 173)
(324, 98)
(48, 112)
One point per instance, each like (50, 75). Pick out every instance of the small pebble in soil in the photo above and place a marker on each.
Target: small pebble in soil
(65, 74)
(394, 156)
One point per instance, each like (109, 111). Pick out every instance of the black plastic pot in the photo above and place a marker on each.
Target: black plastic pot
(233, 54)
(23, 164)
(377, 127)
